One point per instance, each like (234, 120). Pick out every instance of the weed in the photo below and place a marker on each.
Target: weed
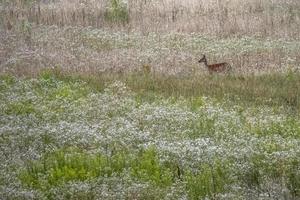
(117, 12)
(208, 182)
(148, 168)
(65, 138)
(20, 108)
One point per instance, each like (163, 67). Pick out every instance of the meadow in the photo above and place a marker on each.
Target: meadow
(106, 99)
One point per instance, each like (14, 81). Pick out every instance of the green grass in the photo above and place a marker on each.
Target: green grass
(281, 172)
(273, 90)
(288, 127)
(117, 12)
(157, 137)
(70, 165)
(73, 164)
(148, 168)
(20, 108)
(210, 181)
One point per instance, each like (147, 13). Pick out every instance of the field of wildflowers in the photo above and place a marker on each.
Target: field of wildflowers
(105, 99)
(61, 138)
(87, 50)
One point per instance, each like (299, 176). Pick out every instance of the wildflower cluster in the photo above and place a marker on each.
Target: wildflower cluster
(62, 139)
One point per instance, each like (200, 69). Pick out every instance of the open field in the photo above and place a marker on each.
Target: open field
(90, 51)
(111, 36)
(273, 18)
(61, 138)
(106, 99)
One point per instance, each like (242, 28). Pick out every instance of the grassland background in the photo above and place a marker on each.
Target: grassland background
(63, 138)
(88, 88)
(169, 36)
(111, 40)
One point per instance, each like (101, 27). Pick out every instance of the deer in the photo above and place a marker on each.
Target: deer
(218, 67)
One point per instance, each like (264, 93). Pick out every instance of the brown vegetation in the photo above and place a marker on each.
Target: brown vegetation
(168, 36)
(279, 18)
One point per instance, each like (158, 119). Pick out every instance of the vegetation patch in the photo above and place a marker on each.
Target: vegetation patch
(72, 164)
(210, 181)
(67, 137)
(20, 108)
(117, 12)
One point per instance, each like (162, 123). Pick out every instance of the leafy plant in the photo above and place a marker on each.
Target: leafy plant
(148, 168)
(208, 182)
(293, 178)
(117, 12)
(70, 165)
(20, 108)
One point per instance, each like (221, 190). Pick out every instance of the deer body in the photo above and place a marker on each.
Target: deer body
(218, 67)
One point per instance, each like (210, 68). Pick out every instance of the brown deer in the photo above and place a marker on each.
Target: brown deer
(218, 67)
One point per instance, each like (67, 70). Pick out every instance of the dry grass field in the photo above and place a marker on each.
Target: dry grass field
(89, 36)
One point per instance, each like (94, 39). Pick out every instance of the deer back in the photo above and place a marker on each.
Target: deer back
(219, 67)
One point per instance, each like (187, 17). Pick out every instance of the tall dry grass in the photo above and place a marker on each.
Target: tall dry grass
(87, 50)
(168, 36)
(274, 18)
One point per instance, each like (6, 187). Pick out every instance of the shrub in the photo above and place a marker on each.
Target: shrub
(293, 179)
(20, 108)
(208, 182)
(261, 170)
(147, 167)
(117, 12)
(72, 164)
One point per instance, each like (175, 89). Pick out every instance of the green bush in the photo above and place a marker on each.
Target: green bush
(293, 178)
(147, 167)
(117, 12)
(20, 108)
(70, 165)
(73, 164)
(208, 182)
(6, 81)
(261, 169)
